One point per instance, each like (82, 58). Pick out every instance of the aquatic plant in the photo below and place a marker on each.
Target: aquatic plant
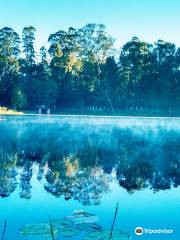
(115, 215)
(4, 230)
(52, 230)
(80, 223)
(42, 229)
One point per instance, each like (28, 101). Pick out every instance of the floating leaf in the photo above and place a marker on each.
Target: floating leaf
(65, 227)
(80, 222)
(37, 229)
(88, 226)
(82, 213)
(70, 232)
(62, 227)
(81, 216)
(61, 223)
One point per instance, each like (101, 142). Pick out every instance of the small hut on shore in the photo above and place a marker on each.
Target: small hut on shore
(44, 110)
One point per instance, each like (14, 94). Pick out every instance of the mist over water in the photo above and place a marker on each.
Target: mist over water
(84, 160)
(144, 148)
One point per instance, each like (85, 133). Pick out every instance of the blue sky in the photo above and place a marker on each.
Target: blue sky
(150, 20)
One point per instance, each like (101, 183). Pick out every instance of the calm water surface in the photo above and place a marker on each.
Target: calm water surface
(52, 166)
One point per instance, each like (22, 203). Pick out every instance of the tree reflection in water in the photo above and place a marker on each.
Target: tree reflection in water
(78, 162)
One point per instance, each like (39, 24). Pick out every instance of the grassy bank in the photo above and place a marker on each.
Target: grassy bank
(118, 113)
(4, 110)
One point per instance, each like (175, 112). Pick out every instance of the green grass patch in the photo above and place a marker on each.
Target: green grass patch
(4, 110)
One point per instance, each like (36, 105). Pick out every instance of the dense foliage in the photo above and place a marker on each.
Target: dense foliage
(82, 70)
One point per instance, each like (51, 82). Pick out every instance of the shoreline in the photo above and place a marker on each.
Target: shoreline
(89, 116)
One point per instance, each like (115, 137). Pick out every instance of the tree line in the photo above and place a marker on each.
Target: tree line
(81, 69)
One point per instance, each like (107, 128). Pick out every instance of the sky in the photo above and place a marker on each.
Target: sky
(149, 20)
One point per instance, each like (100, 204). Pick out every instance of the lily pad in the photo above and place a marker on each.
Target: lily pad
(88, 226)
(65, 227)
(37, 229)
(81, 213)
(104, 234)
(81, 216)
(60, 223)
(79, 223)
(70, 232)
(62, 227)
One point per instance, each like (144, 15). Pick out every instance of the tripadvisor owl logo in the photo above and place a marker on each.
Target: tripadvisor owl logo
(139, 231)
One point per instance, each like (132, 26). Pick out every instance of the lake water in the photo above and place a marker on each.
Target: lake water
(53, 166)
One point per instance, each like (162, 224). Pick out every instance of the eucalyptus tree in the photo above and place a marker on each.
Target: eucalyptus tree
(43, 65)
(69, 47)
(28, 66)
(165, 54)
(177, 80)
(9, 65)
(45, 88)
(28, 38)
(111, 83)
(134, 61)
(65, 64)
(96, 42)
(96, 46)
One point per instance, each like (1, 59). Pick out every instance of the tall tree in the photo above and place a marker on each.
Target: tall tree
(134, 60)
(65, 63)
(28, 38)
(97, 45)
(28, 66)
(110, 82)
(165, 59)
(9, 65)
